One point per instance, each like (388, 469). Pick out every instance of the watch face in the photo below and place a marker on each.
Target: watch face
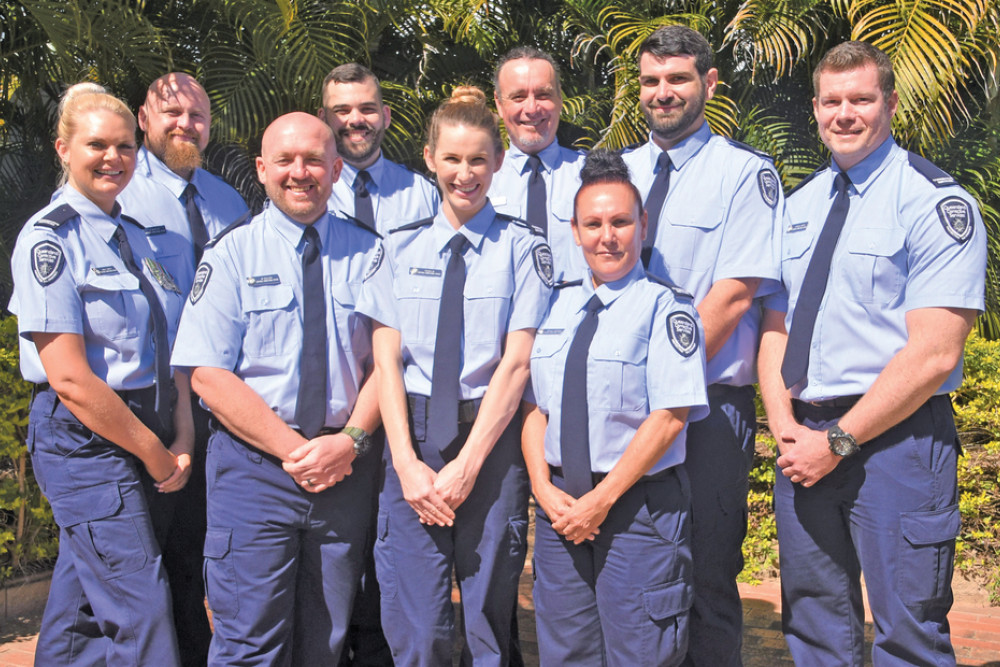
(843, 446)
(362, 445)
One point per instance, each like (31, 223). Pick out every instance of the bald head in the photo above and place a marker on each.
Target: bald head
(176, 117)
(298, 165)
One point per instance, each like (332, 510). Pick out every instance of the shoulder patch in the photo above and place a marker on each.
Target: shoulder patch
(521, 223)
(238, 222)
(541, 255)
(808, 178)
(568, 283)
(57, 216)
(747, 147)
(937, 176)
(683, 332)
(412, 225)
(678, 291)
(767, 182)
(201, 277)
(956, 216)
(47, 261)
(376, 263)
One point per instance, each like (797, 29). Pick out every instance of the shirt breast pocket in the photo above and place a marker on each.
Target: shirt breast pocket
(616, 380)
(109, 305)
(688, 243)
(273, 325)
(875, 264)
(350, 326)
(487, 306)
(418, 297)
(548, 364)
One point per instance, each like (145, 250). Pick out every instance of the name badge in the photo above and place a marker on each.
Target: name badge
(156, 231)
(428, 273)
(105, 270)
(261, 281)
(797, 226)
(549, 332)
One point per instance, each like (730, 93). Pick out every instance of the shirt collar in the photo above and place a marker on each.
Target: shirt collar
(154, 168)
(608, 292)
(474, 230)
(91, 214)
(551, 157)
(864, 173)
(289, 229)
(683, 151)
(376, 170)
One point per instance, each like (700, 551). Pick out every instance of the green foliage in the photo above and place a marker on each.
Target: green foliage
(760, 548)
(27, 530)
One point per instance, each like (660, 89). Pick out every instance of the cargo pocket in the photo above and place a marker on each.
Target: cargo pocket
(385, 563)
(927, 555)
(220, 573)
(668, 607)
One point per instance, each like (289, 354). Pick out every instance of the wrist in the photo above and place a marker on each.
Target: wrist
(842, 443)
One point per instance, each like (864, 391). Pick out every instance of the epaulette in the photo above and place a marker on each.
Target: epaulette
(129, 219)
(747, 147)
(418, 173)
(807, 179)
(238, 222)
(412, 225)
(930, 171)
(630, 147)
(568, 283)
(357, 223)
(57, 216)
(522, 223)
(678, 292)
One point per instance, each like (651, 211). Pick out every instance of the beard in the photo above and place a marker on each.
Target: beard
(679, 122)
(359, 152)
(179, 156)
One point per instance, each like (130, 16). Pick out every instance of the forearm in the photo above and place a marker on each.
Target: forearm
(722, 308)
(243, 412)
(183, 420)
(392, 394)
(777, 400)
(366, 413)
(533, 446)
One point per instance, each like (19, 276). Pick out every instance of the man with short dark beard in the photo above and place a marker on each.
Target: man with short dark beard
(379, 193)
(181, 206)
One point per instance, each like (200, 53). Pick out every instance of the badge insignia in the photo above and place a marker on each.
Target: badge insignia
(956, 216)
(767, 181)
(161, 276)
(542, 257)
(376, 263)
(683, 332)
(201, 277)
(46, 262)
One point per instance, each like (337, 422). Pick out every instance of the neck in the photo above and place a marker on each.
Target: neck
(367, 163)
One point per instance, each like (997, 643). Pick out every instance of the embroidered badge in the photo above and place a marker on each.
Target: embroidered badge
(106, 270)
(683, 333)
(426, 273)
(161, 276)
(201, 277)
(542, 257)
(956, 216)
(376, 263)
(46, 262)
(767, 181)
(262, 281)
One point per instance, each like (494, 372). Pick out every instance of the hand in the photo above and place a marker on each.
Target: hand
(454, 483)
(417, 481)
(806, 457)
(163, 465)
(320, 463)
(553, 500)
(179, 479)
(584, 517)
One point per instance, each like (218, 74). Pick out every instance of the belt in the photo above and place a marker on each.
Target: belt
(467, 410)
(838, 402)
(598, 477)
(326, 430)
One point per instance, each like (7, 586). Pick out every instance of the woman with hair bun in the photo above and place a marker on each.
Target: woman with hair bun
(617, 370)
(97, 311)
(455, 300)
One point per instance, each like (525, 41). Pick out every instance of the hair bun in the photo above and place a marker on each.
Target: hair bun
(604, 165)
(82, 88)
(468, 95)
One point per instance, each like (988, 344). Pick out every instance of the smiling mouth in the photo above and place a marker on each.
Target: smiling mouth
(110, 172)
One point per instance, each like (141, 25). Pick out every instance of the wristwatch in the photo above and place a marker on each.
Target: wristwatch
(362, 441)
(841, 443)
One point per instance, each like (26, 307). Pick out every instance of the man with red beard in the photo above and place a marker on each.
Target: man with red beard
(379, 193)
(181, 206)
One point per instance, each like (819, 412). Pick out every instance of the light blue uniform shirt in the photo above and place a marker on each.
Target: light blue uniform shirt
(399, 195)
(507, 286)
(155, 197)
(907, 243)
(717, 222)
(245, 310)
(647, 354)
(69, 278)
(561, 173)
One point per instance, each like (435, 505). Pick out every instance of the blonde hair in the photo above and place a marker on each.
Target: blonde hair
(83, 98)
(466, 106)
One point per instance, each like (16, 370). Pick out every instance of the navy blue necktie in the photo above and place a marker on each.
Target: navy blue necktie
(574, 425)
(161, 347)
(199, 233)
(536, 213)
(310, 407)
(795, 365)
(363, 209)
(654, 204)
(445, 378)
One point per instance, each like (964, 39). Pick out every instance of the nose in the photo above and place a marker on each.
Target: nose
(355, 117)
(111, 153)
(607, 234)
(664, 91)
(298, 168)
(530, 104)
(845, 112)
(184, 121)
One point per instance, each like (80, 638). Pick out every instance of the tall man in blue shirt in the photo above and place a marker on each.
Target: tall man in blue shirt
(712, 205)
(283, 362)
(380, 193)
(539, 178)
(182, 207)
(883, 266)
